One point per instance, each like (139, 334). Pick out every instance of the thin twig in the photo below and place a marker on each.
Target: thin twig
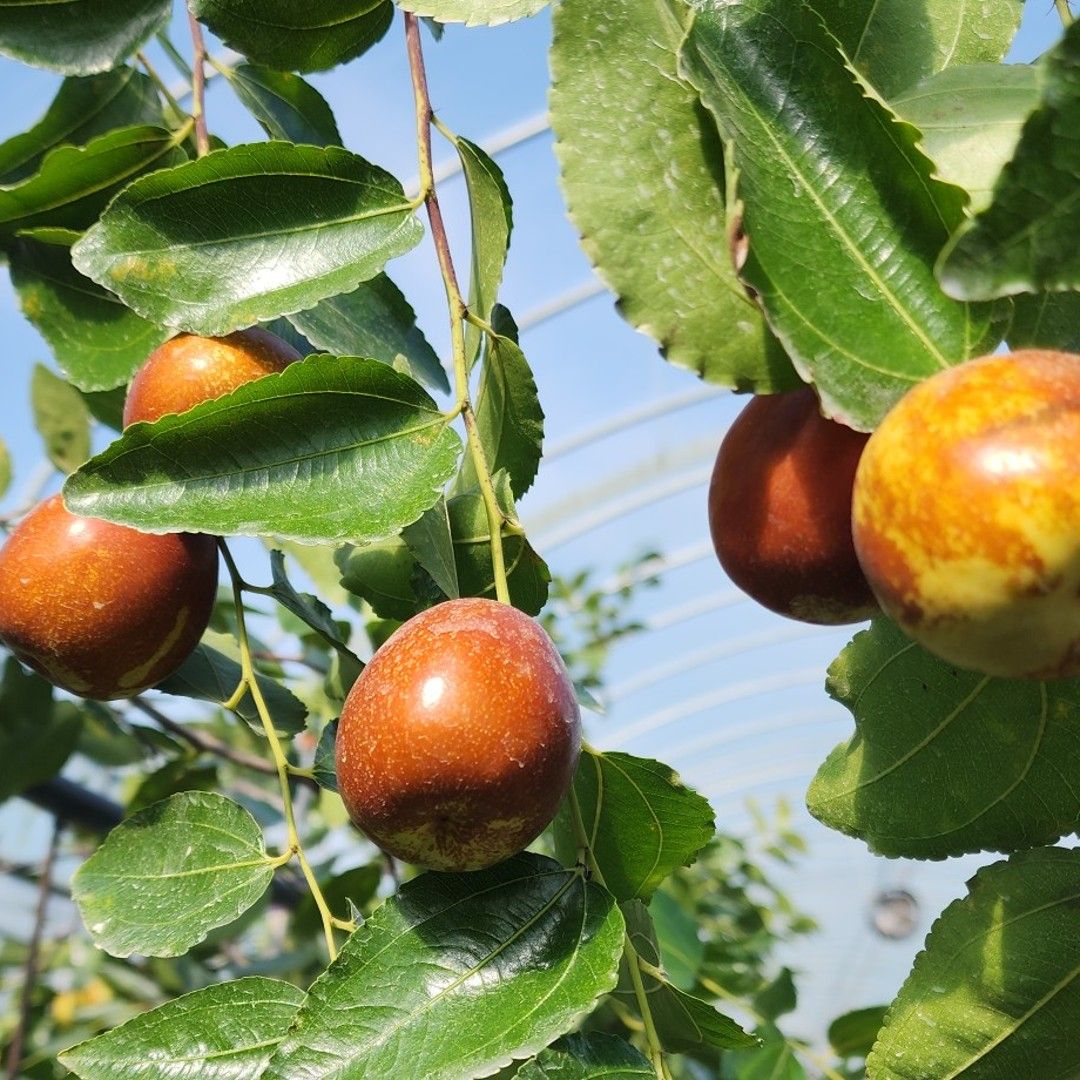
(31, 969)
(1065, 12)
(160, 83)
(198, 87)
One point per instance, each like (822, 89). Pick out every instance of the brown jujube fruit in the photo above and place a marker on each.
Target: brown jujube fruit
(188, 370)
(459, 740)
(100, 609)
(780, 510)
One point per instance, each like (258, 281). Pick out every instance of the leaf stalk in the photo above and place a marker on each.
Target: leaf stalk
(198, 87)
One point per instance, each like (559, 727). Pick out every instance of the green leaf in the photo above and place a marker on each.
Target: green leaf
(373, 320)
(432, 545)
(165, 878)
(1046, 321)
(106, 406)
(775, 1059)
(179, 247)
(330, 449)
(297, 37)
(491, 212)
(97, 341)
(309, 609)
(222, 1032)
(642, 822)
(287, 107)
(458, 975)
(778, 998)
(474, 12)
(893, 46)
(642, 172)
(35, 738)
(173, 777)
(209, 675)
(994, 993)
(5, 468)
(62, 419)
(591, 1056)
(386, 574)
(324, 767)
(682, 949)
(1024, 241)
(685, 1023)
(970, 119)
(75, 182)
(82, 109)
(854, 1033)
(78, 37)
(770, 73)
(508, 413)
(945, 761)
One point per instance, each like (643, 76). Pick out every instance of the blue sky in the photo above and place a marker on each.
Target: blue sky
(753, 723)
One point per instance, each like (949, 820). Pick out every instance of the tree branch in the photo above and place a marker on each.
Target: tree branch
(198, 87)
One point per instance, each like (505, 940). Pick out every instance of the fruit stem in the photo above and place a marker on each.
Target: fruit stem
(198, 87)
(1065, 12)
(634, 963)
(280, 761)
(425, 117)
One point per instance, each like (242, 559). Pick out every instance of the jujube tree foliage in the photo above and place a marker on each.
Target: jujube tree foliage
(858, 195)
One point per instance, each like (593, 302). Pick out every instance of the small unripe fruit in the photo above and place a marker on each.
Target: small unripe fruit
(780, 510)
(967, 514)
(459, 740)
(188, 370)
(100, 609)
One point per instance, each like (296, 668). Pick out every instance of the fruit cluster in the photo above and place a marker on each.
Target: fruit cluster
(959, 516)
(457, 742)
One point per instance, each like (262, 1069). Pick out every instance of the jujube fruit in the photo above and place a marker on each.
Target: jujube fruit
(459, 740)
(967, 514)
(100, 609)
(188, 370)
(780, 510)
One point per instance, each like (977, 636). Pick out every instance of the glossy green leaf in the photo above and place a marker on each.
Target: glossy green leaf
(592, 1056)
(297, 37)
(970, 119)
(995, 991)
(330, 449)
(324, 767)
(458, 975)
(508, 413)
(432, 545)
(684, 1023)
(225, 1031)
(309, 609)
(5, 468)
(642, 822)
(35, 738)
(373, 320)
(1046, 321)
(78, 37)
(97, 341)
(210, 675)
(844, 220)
(75, 182)
(82, 109)
(854, 1033)
(474, 12)
(491, 211)
(895, 46)
(388, 576)
(897, 783)
(181, 247)
(1025, 241)
(165, 878)
(287, 107)
(642, 173)
(62, 419)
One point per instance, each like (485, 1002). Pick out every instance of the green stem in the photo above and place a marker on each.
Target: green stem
(456, 304)
(280, 761)
(1065, 12)
(159, 82)
(633, 962)
(174, 54)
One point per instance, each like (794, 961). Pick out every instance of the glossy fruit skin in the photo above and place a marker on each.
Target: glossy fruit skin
(102, 610)
(967, 514)
(460, 738)
(780, 510)
(189, 369)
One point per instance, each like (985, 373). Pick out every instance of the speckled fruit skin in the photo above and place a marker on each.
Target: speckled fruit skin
(100, 609)
(780, 510)
(188, 370)
(967, 514)
(460, 738)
